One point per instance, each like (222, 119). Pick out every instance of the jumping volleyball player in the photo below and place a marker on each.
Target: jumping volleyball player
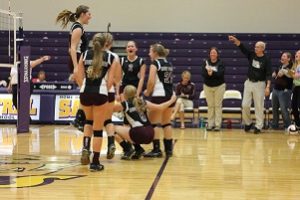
(98, 66)
(78, 44)
(160, 89)
(140, 130)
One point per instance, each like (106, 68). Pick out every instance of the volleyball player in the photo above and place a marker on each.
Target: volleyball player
(133, 68)
(160, 89)
(112, 93)
(99, 66)
(140, 130)
(78, 44)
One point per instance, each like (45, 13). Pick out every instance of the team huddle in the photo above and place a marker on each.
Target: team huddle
(103, 78)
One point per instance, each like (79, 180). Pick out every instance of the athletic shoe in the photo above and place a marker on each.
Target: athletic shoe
(85, 157)
(248, 127)
(138, 154)
(154, 154)
(96, 167)
(111, 151)
(128, 155)
(217, 129)
(209, 129)
(256, 130)
(80, 128)
(74, 123)
(77, 125)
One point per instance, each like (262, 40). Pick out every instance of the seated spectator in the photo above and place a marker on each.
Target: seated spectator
(13, 84)
(41, 77)
(185, 90)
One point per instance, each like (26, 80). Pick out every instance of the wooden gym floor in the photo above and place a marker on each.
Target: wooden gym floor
(44, 164)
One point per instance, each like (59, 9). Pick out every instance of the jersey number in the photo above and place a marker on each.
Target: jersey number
(168, 77)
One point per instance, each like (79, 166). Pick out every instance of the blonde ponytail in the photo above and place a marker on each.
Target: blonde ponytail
(130, 93)
(95, 70)
(139, 104)
(160, 50)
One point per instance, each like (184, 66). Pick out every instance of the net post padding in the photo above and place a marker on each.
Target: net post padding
(24, 91)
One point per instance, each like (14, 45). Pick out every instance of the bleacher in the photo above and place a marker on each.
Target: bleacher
(187, 52)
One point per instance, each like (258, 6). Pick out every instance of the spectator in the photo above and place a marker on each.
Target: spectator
(13, 84)
(185, 90)
(214, 88)
(282, 91)
(296, 90)
(41, 77)
(255, 87)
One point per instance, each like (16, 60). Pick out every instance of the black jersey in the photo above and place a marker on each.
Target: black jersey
(97, 85)
(116, 58)
(83, 44)
(164, 82)
(131, 70)
(135, 118)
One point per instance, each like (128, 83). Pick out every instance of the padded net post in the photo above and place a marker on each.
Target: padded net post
(24, 91)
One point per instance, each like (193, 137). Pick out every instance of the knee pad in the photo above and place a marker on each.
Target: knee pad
(108, 121)
(165, 125)
(89, 122)
(98, 133)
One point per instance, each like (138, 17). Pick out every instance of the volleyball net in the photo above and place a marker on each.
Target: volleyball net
(11, 37)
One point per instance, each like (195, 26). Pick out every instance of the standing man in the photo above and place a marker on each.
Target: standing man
(257, 84)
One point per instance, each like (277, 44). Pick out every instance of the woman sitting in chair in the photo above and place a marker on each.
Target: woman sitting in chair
(185, 90)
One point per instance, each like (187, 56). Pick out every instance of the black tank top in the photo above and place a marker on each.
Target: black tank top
(135, 118)
(131, 70)
(97, 85)
(83, 44)
(164, 85)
